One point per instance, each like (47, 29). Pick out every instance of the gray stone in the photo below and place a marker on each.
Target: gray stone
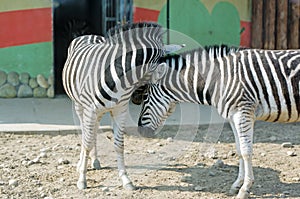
(13, 78)
(42, 81)
(51, 80)
(8, 91)
(25, 91)
(39, 92)
(33, 83)
(24, 78)
(219, 163)
(3, 77)
(50, 92)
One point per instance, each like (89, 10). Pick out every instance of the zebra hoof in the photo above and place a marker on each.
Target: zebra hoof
(129, 187)
(96, 164)
(146, 132)
(81, 185)
(234, 190)
(243, 194)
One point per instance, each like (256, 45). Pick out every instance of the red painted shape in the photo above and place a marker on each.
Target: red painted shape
(25, 27)
(143, 14)
(246, 35)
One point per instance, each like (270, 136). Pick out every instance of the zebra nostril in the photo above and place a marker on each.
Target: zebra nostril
(146, 132)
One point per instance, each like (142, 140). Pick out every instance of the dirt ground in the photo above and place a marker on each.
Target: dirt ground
(174, 165)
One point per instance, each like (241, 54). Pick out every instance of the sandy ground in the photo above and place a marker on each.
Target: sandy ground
(177, 164)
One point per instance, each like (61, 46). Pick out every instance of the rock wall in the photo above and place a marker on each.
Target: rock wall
(23, 85)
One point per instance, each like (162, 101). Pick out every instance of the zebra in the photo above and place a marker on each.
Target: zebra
(210, 52)
(245, 86)
(100, 75)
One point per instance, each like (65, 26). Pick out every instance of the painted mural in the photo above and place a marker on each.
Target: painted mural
(26, 51)
(207, 22)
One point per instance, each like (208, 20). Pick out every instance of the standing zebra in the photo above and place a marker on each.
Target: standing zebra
(100, 76)
(245, 86)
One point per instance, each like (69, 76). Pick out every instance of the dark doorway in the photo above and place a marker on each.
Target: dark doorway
(73, 18)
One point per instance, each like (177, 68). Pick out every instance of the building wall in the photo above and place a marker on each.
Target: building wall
(206, 22)
(26, 37)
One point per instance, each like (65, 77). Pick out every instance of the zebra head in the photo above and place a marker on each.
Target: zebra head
(157, 107)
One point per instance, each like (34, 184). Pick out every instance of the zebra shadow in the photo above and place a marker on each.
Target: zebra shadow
(209, 179)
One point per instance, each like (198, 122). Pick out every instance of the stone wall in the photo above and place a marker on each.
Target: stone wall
(23, 85)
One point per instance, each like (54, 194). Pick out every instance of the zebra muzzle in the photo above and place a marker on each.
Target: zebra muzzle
(146, 132)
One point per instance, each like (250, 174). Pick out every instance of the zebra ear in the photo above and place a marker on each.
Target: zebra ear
(171, 48)
(159, 72)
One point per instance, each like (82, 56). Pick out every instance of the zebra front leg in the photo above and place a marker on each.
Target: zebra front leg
(89, 127)
(235, 187)
(119, 118)
(243, 123)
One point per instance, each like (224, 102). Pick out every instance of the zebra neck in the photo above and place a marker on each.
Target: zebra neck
(191, 83)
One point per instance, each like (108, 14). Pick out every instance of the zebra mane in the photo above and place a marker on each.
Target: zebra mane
(113, 34)
(214, 51)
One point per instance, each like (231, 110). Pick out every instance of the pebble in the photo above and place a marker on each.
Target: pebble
(104, 189)
(211, 173)
(185, 178)
(13, 182)
(151, 151)
(43, 154)
(170, 139)
(42, 81)
(24, 78)
(2, 183)
(25, 91)
(287, 145)
(199, 188)
(219, 163)
(296, 179)
(63, 161)
(44, 150)
(3, 77)
(13, 78)
(33, 83)
(273, 138)
(262, 154)
(291, 153)
(8, 91)
(39, 92)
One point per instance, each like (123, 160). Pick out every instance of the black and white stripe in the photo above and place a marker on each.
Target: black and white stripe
(245, 86)
(100, 75)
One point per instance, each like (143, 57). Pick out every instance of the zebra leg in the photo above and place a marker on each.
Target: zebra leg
(95, 163)
(89, 127)
(243, 123)
(118, 128)
(240, 179)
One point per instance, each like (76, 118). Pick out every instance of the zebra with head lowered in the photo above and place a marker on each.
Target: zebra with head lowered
(100, 75)
(245, 86)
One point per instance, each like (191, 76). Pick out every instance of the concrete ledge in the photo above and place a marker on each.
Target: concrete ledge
(51, 129)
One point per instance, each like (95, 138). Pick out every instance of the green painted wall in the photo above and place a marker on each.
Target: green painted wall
(221, 26)
(32, 58)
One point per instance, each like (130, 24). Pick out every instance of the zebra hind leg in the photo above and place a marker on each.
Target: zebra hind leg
(89, 127)
(93, 154)
(119, 117)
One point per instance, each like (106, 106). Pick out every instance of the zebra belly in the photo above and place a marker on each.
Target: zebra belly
(275, 115)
